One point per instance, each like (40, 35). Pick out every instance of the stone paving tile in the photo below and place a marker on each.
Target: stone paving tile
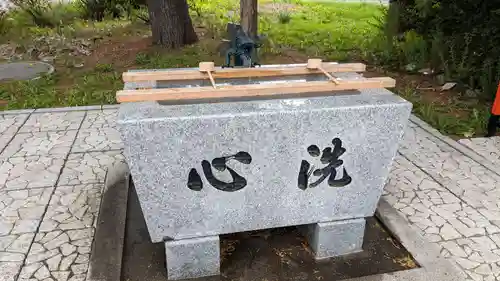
(22, 210)
(40, 143)
(466, 178)
(59, 255)
(489, 148)
(9, 124)
(438, 213)
(72, 207)
(9, 270)
(53, 121)
(479, 256)
(30, 172)
(465, 236)
(445, 220)
(14, 247)
(97, 139)
(100, 119)
(90, 167)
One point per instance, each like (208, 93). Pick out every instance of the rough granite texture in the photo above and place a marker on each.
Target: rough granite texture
(336, 238)
(191, 258)
(164, 142)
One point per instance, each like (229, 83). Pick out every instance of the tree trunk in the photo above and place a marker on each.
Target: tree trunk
(248, 13)
(170, 23)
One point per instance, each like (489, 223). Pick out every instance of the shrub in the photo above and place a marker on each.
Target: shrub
(4, 22)
(284, 17)
(99, 9)
(38, 11)
(461, 37)
(44, 13)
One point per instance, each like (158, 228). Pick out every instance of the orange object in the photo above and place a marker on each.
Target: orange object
(495, 110)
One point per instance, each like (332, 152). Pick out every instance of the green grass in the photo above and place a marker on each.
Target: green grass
(93, 88)
(332, 31)
(458, 117)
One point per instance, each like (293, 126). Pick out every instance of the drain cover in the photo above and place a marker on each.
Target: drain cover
(24, 70)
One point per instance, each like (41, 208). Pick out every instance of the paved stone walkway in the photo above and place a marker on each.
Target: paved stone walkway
(52, 169)
(53, 166)
(452, 199)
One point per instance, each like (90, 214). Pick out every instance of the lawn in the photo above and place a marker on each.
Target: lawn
(90, 56)
(336, 31)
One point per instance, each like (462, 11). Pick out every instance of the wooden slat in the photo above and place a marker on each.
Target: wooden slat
(323, 88)
(239, 72)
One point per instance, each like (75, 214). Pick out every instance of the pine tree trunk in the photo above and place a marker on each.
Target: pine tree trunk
(248, 13)
(170, 23)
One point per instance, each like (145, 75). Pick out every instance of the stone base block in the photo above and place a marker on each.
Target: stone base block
(331, 239)
(192, 258)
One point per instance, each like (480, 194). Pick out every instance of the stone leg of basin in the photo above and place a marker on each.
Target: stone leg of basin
(192, 258)
(336, 238)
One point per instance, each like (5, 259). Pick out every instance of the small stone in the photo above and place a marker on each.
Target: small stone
(84, 250)
(410, 67)
(60, 275)
(490, 278)
(80, 277)
(61, 217)
(467, 250)
(42, 273)
(48, 237)
(19, 194)
(80, 234)
(21, 244)
(425, 71)
(82, 258)
(483, 269)
(491, 229)
(485, 242)
(56, 242)
(8, 269)
(5, 228)
(67, 249)
(48, 225)
(79, 268)
(433, 238)
(476, 257)
(67, 261)
(438, 221)
(23, 226)
(432, 230)
(53, 262)
(490, 257)
(466, 264)
(47, 59)
(36, 248)
(468, 222)
(449, 233)
(29, 269)
(9, 257)
(448, 86)
(41, 256)
(475, 276)
(72, 225)
(454, 249)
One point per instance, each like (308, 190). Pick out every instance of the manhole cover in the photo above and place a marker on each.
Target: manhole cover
(24, 70)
